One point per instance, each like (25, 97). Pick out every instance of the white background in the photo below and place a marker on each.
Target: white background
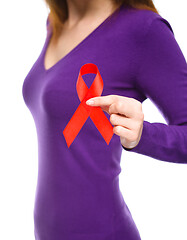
(155, 191)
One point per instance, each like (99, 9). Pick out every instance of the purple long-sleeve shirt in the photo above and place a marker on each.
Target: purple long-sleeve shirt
(77, 194)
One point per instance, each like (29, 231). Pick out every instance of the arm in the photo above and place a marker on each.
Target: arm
(162, 77)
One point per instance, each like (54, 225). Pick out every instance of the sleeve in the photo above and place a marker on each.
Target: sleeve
(162, 77)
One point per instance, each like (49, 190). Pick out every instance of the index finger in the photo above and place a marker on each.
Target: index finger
(101, 101)
(120, 104)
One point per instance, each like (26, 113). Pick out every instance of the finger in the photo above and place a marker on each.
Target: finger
(128, 107)
(118, 120)
(101, 101)
(122, 132)
(128, 137)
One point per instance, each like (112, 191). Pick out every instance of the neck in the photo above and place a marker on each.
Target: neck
(88, 9)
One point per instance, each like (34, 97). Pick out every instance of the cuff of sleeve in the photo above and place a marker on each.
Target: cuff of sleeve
(139, 148)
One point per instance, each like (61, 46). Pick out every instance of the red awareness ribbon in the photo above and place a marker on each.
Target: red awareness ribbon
(84, 111)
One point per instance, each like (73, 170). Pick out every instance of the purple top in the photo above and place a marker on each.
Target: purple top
(78, 195)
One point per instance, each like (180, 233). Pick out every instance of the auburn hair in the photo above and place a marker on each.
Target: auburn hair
(59, 11)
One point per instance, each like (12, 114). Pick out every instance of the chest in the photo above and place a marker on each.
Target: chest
(69, 39)
(54, 92)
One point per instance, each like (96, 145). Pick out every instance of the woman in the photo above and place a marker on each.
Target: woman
(135, 51)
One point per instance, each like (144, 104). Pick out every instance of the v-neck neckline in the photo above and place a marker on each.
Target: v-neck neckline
(78, 45)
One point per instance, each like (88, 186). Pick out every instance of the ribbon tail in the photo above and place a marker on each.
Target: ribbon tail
(75, 124)
(102, 123)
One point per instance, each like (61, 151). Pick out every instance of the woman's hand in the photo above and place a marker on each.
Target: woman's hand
(125, 114)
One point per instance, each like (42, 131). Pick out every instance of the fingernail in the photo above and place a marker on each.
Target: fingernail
(90, 102)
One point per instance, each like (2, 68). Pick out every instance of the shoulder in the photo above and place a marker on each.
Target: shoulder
(141, 20)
